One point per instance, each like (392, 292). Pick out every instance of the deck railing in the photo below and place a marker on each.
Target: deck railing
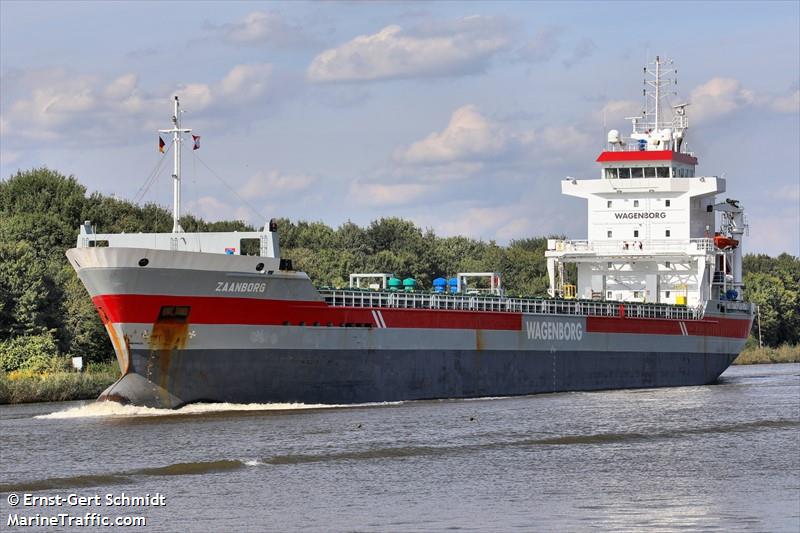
(545, 306)
(633, 246)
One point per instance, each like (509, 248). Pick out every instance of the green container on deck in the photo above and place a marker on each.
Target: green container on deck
(409, 284)
(394, 284)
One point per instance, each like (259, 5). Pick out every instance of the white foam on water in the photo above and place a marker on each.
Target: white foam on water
(253, 462)
(102, 409)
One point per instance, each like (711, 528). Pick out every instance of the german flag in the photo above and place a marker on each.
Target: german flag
(161, 144)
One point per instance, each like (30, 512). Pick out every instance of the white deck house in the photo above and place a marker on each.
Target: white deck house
(652, 234)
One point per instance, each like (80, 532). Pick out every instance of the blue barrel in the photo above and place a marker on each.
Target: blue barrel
(731, 294)
(453, 283)
(439, 285)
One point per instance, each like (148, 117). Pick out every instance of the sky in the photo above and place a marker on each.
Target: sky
(463, 117)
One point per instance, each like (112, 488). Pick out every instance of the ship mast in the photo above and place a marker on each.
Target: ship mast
(660, 78)
(177, 133)
(655, 129)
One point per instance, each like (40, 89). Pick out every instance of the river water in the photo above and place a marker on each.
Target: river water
(724, 457)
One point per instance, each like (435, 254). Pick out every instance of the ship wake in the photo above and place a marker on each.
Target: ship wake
(105, 409)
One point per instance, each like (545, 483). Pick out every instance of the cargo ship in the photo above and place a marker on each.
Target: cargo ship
(652, 298)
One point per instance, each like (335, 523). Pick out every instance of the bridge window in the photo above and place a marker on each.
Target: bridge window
(663, 172)
(637, 172)
(624, 173)
(650, 172)
(611, 173)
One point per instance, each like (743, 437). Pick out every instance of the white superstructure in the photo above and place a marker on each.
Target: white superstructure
(652, 232)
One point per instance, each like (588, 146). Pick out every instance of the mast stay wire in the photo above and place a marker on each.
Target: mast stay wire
(245, 202)
(152, 177)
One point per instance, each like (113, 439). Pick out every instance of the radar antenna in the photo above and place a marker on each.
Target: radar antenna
(659, 76)
(656, 129)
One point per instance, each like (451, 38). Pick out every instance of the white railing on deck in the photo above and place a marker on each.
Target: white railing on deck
(635, 246)
(633, 145)
(545, 306)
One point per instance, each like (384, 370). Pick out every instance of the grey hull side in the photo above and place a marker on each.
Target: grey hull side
(352, 376)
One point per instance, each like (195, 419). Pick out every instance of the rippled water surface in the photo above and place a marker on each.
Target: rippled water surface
(717, 458)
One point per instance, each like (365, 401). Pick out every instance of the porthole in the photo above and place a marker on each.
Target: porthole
(260, 267)
(143, 262)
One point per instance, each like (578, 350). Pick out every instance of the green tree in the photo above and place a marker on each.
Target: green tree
(86, 336)
(28, 295)
(773, 283)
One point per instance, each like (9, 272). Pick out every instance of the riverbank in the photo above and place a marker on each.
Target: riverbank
(25, 387)
(766, 355)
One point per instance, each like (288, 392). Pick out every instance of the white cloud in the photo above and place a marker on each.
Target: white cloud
(471, 143)
(560, 140)
(122, 87)
(265, 27)
(53, 104)
(717, 97)
(786, 104)
(196, 96)
(468, 136)
(247, 81)
(275, 183)
(501, 223)
(47, 100)
(615, 110)
(454, 48)
(721, 96)
(711, 100)
(383, 194)
(210, 208)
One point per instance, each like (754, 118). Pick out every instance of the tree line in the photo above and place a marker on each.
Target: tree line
(42, 302)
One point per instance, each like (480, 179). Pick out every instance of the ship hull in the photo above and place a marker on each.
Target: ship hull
(195, 327)
(352, 376)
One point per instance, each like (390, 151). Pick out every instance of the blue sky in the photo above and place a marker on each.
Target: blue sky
(463, 117)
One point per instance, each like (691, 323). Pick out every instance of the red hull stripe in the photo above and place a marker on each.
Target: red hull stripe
(135, 308)
(646, 155)
(711, 327)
